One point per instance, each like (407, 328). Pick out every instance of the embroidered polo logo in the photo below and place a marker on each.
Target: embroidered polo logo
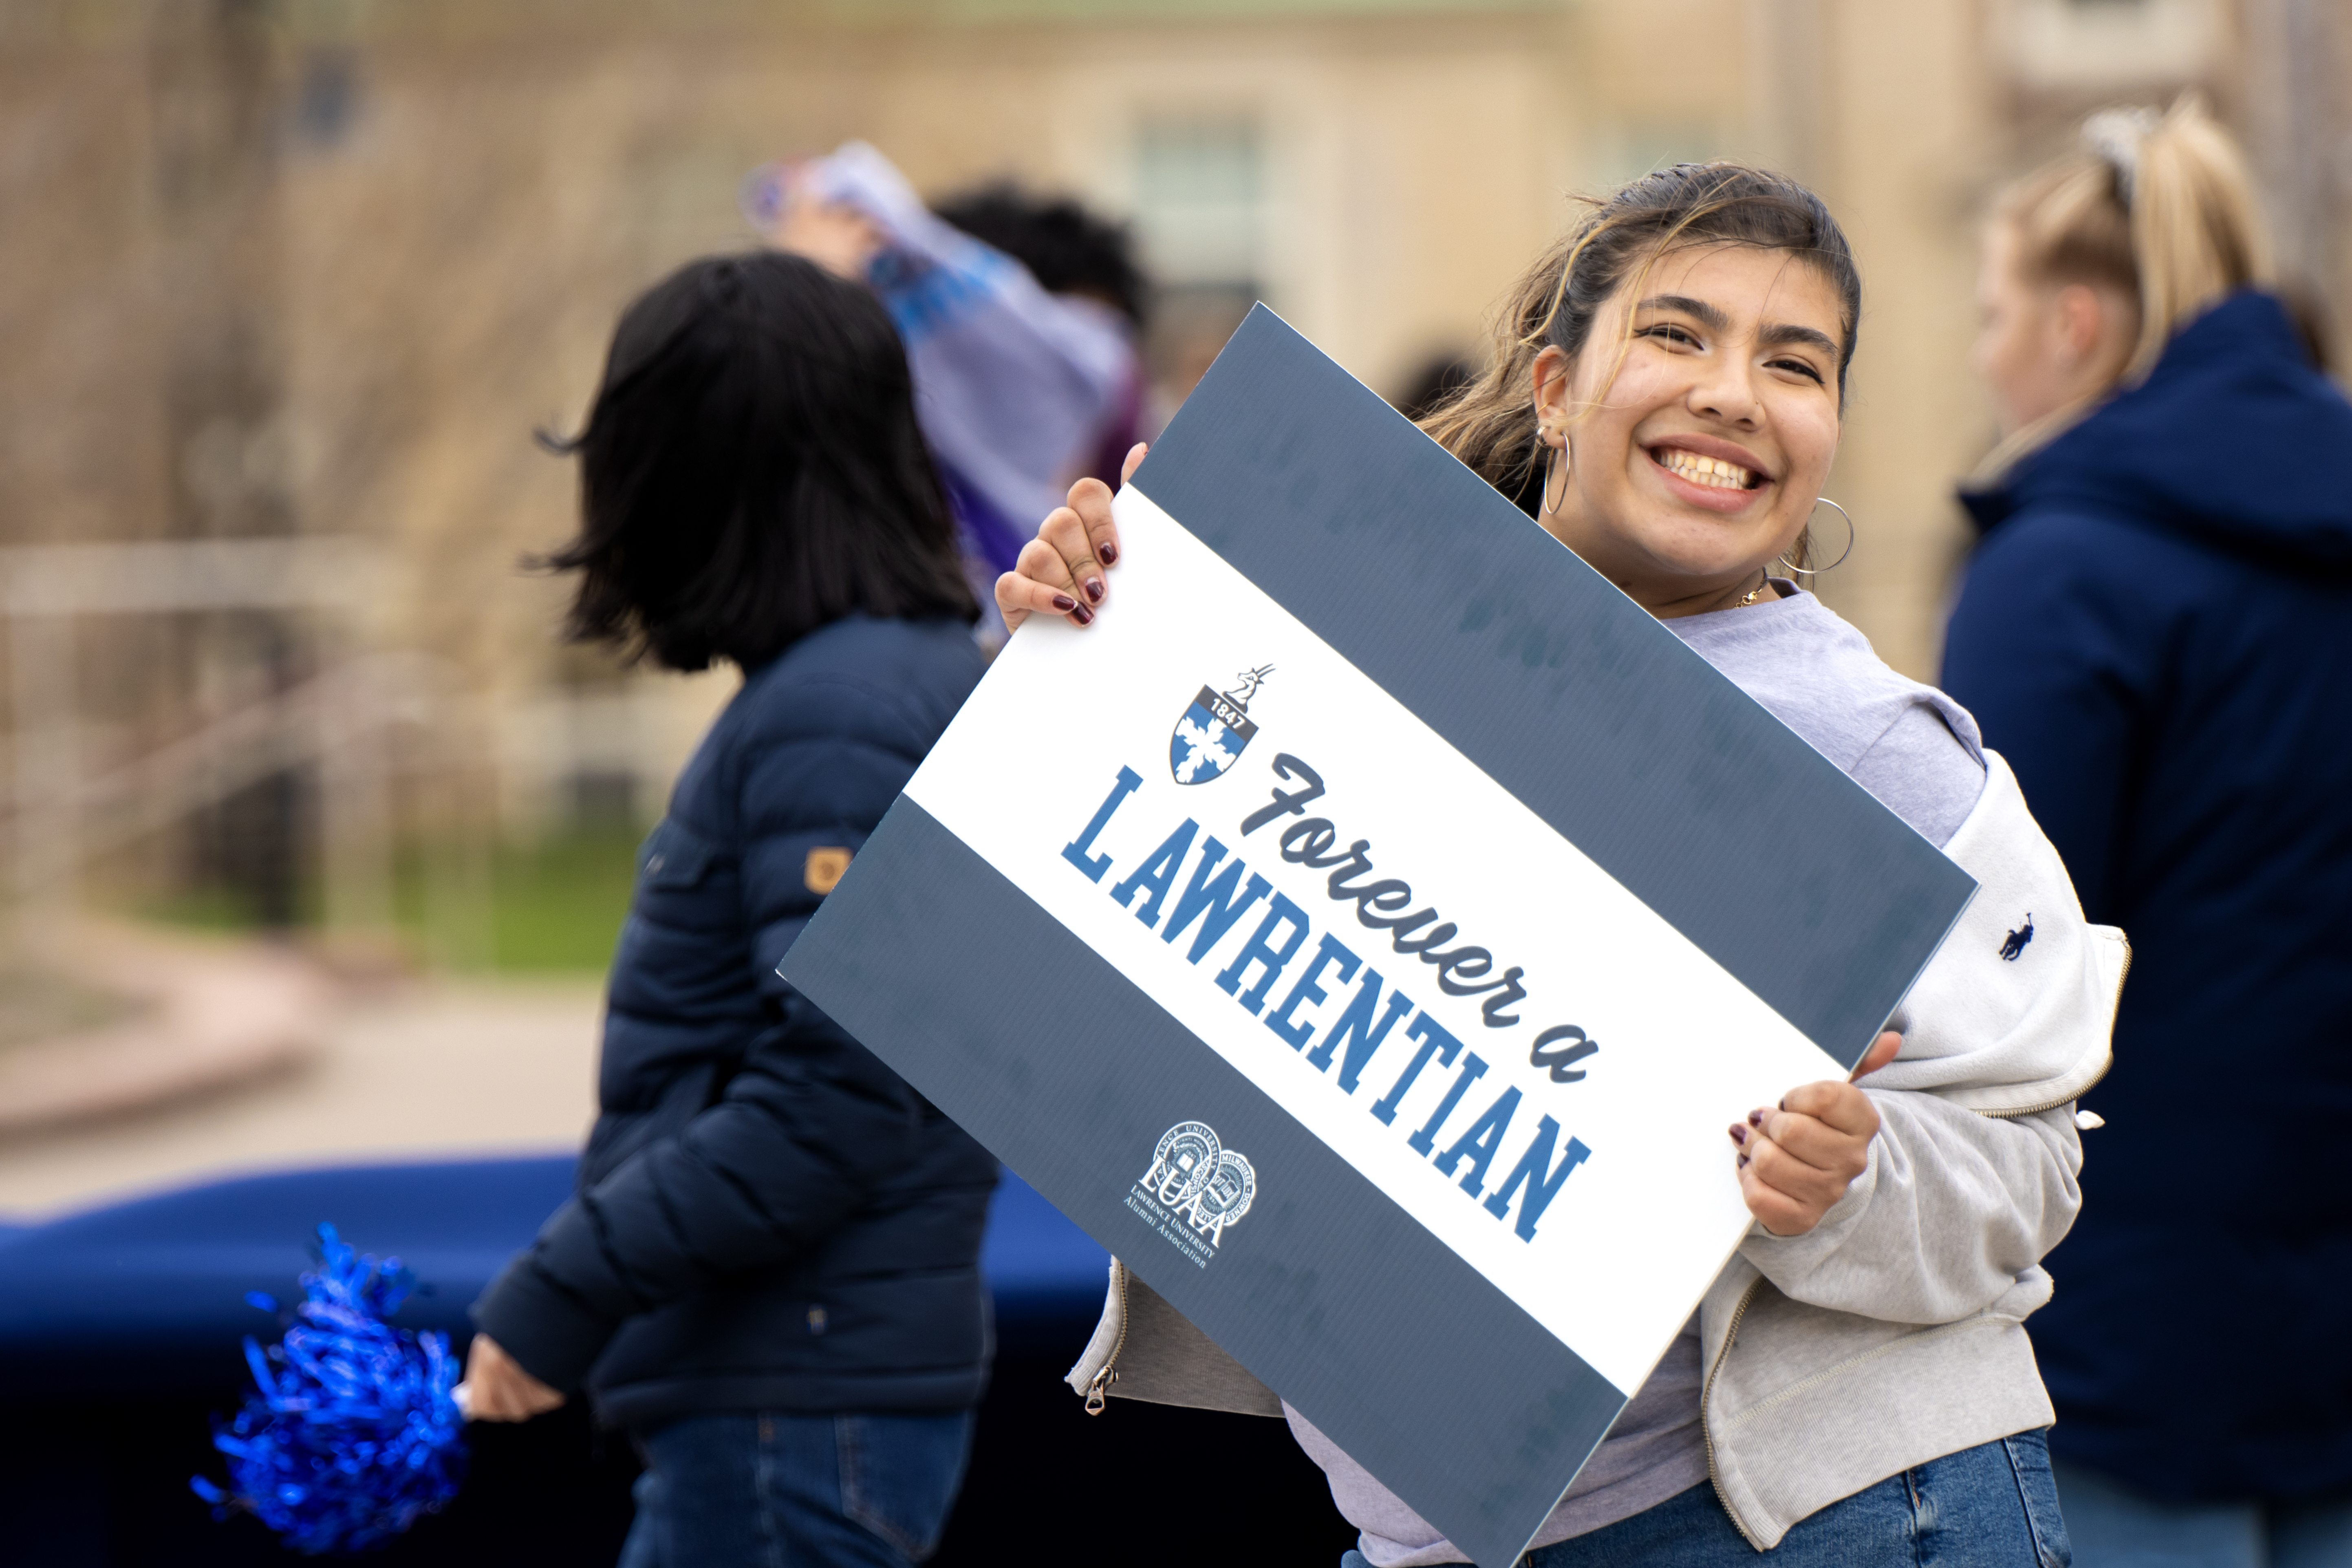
(2015, 945)
(823, 870)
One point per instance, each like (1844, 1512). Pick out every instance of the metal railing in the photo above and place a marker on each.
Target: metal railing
(61, 814)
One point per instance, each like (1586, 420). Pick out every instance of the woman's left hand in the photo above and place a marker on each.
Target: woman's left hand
(498, 1389)
(1798, 1159)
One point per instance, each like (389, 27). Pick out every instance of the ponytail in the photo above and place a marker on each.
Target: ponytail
(2196, 231)
(2161, 210)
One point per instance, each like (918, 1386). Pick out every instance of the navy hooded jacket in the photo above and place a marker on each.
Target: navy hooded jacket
(2156, 632)
(767, 1218)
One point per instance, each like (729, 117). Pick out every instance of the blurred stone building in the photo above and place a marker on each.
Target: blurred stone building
(317, 269)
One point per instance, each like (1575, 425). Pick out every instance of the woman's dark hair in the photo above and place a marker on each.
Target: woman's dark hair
(752, 470)
(1490, 423)
(1066, 247)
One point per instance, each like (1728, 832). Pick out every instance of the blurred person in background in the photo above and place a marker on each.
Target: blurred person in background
(1087, 262)
(770, 1273)
(2156, 631)
(1019, 319)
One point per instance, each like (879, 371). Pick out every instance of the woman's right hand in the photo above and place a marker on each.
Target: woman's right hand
(1063, 571)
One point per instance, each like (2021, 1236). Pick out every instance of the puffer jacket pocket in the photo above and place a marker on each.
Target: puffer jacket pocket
(673, 857)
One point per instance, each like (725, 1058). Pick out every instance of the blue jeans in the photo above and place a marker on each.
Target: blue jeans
(779, 1490)
(2116, 1528)
(1993, 1506)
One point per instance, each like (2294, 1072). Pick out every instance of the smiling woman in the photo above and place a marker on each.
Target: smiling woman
(1663, 396)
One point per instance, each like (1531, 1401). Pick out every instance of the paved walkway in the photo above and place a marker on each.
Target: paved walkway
(443, 1070)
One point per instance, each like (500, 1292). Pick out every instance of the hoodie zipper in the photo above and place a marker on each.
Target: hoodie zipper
(1705, 1394)
(1099, 1385)
(2051, 1105)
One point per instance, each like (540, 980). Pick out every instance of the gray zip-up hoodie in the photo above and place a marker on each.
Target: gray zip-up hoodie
(1892, 1333)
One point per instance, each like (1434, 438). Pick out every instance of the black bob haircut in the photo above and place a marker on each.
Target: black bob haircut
(751, 471)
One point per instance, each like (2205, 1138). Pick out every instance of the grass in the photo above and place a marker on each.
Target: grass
(558, 905)
(554, 906)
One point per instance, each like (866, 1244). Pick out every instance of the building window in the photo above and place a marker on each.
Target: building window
(1201, 187)
(1199, 202)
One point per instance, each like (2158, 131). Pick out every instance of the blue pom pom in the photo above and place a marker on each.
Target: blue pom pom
(351, 1433)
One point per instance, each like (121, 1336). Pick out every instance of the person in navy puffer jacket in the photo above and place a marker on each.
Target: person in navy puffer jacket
(770, 1272)
(2156, 632)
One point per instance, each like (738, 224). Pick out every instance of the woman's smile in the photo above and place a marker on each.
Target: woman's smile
(1705, 472)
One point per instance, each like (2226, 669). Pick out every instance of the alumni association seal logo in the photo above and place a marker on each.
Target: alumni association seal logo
(1209, 738)
(1195, 1190)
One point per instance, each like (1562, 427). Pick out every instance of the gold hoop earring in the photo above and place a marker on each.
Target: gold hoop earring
(1551, 461)
(1817, 571)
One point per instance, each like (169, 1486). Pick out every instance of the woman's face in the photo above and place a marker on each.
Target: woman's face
(2043, 346)
(1700, 461)
(2019, 350)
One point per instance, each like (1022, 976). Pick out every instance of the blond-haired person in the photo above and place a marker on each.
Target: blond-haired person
(1666, 393)
(2156, 632)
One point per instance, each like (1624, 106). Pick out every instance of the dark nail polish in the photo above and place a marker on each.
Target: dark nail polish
(1065, 604)
(1743, 1160)
(1739, 1136)
(1095, 589)
(1109, 553)
(1081, 614)
(1754, 1119)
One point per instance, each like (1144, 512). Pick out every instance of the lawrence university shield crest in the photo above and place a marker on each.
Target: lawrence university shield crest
(1209, 738)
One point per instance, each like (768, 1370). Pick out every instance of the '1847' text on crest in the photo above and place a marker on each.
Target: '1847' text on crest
(1209, 738)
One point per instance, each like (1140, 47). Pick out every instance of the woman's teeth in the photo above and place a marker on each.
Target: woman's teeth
(1713, 472)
